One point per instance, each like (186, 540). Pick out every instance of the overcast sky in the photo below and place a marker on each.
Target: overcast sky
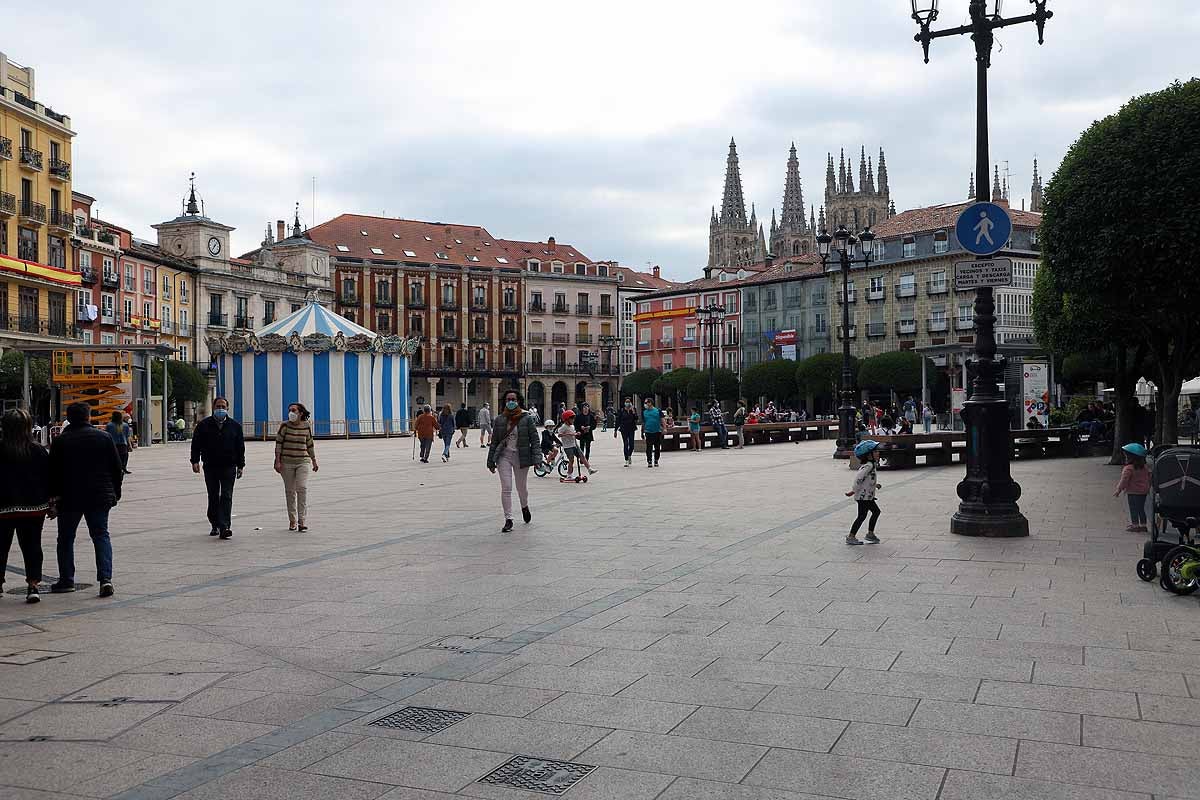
(603, 124)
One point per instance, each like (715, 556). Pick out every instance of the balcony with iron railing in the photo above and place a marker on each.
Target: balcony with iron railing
(39, 326)
(560, 338)
(793, 301)
(166, 326)
(183, 329)
(243, 323)
(106, 237)
(820, 300)
(509, 308)
(964, 324)
(666, 344)
(60, 169)
(63, 220)
(561, 308)
(87, 276)
(537, 338)
(606, 311)
(385, 301)
(583, 309)
(448, 305)
(583, 338)
(877, 293)
(937, 324)
(511, 338)
(853, 332)
(937, 286)
(479, 305)
(416, 304)
(819, 331)
(31, 159)
(5, 148)
(906, 289)
(8, 204)
(851, 296)
(876, 329)
(349, 299)
(32, 212)
(216, 320)
(480, 336)
(537, 307)
(644, 345)
(906, 327)
(110, 280)
(564, 368)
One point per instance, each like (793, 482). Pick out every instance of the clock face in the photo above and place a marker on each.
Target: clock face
(179, 246)
(214, 245)
(316, 265)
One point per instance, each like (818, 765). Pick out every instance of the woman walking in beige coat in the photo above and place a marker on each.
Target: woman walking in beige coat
(294, 453)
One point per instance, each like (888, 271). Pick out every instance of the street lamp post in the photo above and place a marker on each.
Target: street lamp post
(988, 493)
(711, 317)
(846, 242)
(608, 344)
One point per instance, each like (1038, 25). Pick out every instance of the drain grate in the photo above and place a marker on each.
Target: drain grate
(425, 720)
(538, 774)
(460, 644)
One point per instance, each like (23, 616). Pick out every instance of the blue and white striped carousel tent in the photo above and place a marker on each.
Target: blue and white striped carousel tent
(354, 381)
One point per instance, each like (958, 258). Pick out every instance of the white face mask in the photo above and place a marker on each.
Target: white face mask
(293, 416)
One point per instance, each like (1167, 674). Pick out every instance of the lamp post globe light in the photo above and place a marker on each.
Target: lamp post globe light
(608, 344)
(844, 243)
(988, 494)
(711, 317)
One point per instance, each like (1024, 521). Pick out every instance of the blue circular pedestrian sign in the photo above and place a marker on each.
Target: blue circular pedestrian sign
(983, 228)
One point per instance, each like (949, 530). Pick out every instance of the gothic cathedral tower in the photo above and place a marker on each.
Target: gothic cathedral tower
(857, 209)
(793, 235)
(733, 241)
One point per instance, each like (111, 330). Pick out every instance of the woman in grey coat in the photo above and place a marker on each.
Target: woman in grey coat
(516, 446)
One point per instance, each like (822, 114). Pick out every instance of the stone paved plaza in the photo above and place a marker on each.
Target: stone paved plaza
(696, 632)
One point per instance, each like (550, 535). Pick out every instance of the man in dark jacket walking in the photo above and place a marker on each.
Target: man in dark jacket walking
(585, 423)
(627, 425)
(85, 483)
(218, 442)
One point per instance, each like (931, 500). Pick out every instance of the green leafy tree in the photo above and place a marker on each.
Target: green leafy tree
(674, 386)
(772, 380)
(726, 382)
(12, 377)
(821, 375)
(1089, 367)
(185, 383)
(1130, 175)
(899, 371)
(640, 382)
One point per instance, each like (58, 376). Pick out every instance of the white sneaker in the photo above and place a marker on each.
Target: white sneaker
(591, 471)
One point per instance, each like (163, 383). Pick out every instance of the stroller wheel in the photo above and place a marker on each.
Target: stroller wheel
(1175, 563)
(1146, 569)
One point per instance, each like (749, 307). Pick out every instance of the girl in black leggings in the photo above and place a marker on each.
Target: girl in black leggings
(864, 490)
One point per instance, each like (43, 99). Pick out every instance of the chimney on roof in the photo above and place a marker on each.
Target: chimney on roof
(280, 230)
(768, 260)
(656, 270)
(550, 244)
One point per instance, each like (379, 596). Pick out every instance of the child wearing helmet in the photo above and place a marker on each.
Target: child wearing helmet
(864, 489)
(566, 433)
(1135, 482)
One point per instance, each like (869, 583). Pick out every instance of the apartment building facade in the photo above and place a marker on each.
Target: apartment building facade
(38, 285)
(572, 339)
(632, 284)
(670, 334)
(789, 303)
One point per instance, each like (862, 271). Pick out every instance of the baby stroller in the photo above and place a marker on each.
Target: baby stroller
(1174, 501)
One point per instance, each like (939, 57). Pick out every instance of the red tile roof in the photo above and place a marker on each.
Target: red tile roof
(932, 218)
(359, 233)
(568, 254)
(633, 279)
(801, 266)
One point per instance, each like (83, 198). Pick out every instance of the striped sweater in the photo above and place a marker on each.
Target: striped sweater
(294, 442)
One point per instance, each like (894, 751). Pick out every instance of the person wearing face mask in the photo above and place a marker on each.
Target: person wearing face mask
(627, 425)
(652, 431)
(294, 454)
(515, 447)
(218, 443)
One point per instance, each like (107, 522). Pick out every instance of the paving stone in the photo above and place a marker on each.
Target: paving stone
(149, 686)
(906, 684)
(843, 776)
(977, 786)
(484, 698)
(556, 740)
(1110, 658)
(692, 789)
(1143, 737)
(561, 654)
(276, 679)
(215, 700)
(757, 727)
(704, 691)
(933, 748)
(189, 736)
(851, 706)
(675, 755)
(665, 625)
(774, 673)
(1017, 723)
(1008, 650)
(647, 663)
(832, 656)
(967, 666)
(278, 709)
(1111, 769)
(262, 783)
(1089, 677)
(605, 638)
(79, 721)
(603, 783)
(570, 679)
(713, 646)
(310, 751)
(623, 713)
(59, 765)
(415, 764)
(1159, 708)
(1058, 698)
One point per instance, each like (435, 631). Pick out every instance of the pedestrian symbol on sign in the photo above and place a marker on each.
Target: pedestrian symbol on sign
(983, 228)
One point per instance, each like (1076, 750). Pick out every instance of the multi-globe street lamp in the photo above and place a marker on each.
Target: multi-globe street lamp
(608, 343)
(988, 493)
(711, 317)
(845, 243)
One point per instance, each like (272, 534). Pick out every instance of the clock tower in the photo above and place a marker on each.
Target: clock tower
(195, 237)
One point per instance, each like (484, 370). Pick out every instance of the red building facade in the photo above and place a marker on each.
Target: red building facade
(670, 334)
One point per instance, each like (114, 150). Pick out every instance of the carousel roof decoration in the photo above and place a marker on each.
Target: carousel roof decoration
(313, 329)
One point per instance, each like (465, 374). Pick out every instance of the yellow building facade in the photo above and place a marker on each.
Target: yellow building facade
(37, 282)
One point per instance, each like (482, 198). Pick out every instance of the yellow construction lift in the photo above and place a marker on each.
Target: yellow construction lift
(102, 380)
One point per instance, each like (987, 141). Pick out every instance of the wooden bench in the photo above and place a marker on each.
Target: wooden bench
(899, 451)
(679, 438)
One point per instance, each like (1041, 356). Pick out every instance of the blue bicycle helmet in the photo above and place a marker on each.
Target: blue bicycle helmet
(864, 447)
(1135, 449)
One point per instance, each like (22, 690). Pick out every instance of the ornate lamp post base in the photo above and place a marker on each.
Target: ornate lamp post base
(989, 494)
(846, 438)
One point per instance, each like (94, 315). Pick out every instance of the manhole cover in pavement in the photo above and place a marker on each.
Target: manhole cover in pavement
(425, 720)
(460, 644)
(44, 586)
(23, 657)
(538, 774)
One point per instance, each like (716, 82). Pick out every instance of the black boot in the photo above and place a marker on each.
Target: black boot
(525, 513)
(508, 526)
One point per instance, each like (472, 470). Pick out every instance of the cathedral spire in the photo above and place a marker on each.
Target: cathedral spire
(842, 172)
(862, 169)
(883, 174)
(996, 195)
(821, 227)
(733, 203)
(1035, 191)
(830, 186)
(869, 186)
(850, 175)
(812, 220)
(793, 196)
